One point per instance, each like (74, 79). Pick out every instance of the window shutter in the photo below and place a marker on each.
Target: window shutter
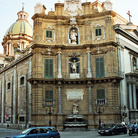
(101, 94)
(98, 32)
(97, 68)
(49, 34)
(51, 68)
(48, 68)
(48, 95)
(102, 67)
(99, 64)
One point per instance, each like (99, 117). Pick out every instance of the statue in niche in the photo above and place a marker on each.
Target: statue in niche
(134, 63)
(75, 108)
(74, 66)
(73, 36)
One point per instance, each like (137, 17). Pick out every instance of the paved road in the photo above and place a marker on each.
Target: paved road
(69, 134)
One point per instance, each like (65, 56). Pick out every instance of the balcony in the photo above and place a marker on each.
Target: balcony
(76, 76)
(101, 102)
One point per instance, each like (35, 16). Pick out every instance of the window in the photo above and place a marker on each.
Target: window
(98, 32)
(99, 67)
(48, 34)
(101, 97)
(42, 130)
(48, 95)
(101, 94)
(8, 86)
(21, 119)
(48, 70)
(22, 81)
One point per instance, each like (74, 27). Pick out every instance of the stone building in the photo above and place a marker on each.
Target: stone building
(127, 38)
(15, 65)
(70, 72)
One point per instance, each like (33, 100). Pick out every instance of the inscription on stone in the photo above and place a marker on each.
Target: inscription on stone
(75, 94)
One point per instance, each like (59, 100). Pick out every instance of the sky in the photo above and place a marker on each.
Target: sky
(10, 8)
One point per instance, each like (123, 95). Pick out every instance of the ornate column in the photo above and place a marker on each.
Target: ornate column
(3, 97)
(59, 99)
(89, 73)
(130, 97)
(90, 98)
(134, 96)
(59, 63)
(14, 95)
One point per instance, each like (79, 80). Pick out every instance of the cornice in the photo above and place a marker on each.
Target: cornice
(74, 46)
(127, 35)
(16, 62)
(63, 17)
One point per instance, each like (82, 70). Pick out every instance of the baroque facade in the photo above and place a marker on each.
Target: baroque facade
(70, 70)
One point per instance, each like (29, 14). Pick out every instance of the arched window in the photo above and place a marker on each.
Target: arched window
(21, 81)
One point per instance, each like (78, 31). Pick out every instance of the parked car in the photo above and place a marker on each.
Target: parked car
(38, 132)
(113, 129)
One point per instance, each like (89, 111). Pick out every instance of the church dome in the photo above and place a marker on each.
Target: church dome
(20, 27)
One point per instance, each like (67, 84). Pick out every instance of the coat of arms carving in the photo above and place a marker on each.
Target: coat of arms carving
(73, 7)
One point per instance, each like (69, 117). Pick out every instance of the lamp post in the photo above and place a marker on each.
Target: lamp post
(50, 108)
(100, 103)
(99, 111)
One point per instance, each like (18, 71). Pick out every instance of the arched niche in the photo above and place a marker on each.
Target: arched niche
(74, 65)
(73, 35)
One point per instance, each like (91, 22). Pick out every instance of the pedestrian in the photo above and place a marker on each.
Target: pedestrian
(135, 126)
(123, 123)
(102, 124)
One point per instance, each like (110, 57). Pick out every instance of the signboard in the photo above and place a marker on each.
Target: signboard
(7, 115)
(75, 94)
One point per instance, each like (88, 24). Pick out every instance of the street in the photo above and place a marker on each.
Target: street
(68, 134)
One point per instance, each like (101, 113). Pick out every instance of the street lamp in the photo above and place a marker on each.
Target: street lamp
(100, 103)
(99, 111)
(50, 108)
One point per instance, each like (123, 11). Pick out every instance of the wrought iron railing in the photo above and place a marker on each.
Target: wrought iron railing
(101, 102)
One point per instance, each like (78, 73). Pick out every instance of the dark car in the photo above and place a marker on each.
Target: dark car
(113, 129)
(38, 132)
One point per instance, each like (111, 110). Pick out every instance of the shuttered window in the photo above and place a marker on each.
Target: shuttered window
(48, 34)
(48, 95)
(48, 68)
(98, 32)
(99, 67)
(101, 94)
